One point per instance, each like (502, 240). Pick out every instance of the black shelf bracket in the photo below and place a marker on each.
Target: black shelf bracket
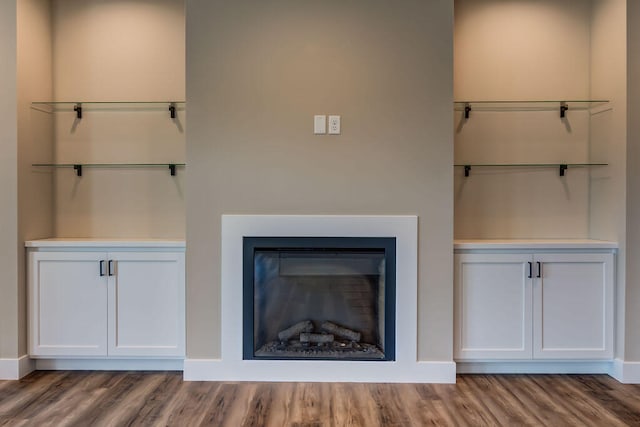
(172, 169)
(563, 168)
(467, 170)
(78, 109)
(78, 169)
(467, 110)
(172, 110)
(563, 109)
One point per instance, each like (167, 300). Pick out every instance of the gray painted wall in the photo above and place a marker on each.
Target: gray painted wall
(9, 330)
(608, 186)
(256, 74)
(26, 196)
(258, 71)
(35, 145)
(632, 297)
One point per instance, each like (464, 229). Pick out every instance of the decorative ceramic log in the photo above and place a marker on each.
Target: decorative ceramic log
(306, 337)
(340, 331)
(304, 326)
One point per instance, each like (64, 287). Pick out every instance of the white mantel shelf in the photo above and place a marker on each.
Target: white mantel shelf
(533, 244)
(59, 242)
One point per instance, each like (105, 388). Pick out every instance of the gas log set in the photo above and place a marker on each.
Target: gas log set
(332, 341)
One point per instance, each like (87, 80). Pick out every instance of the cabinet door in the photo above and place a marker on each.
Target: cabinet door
(492, 306)
(67, 304)
(573, 308)
(146, 304)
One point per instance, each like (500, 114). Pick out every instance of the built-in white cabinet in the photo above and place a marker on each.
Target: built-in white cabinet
(104, 299)
(494, 303)
(536, 303)
(67, 304)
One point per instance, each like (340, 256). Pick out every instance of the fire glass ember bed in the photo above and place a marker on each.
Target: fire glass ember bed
(319, 298)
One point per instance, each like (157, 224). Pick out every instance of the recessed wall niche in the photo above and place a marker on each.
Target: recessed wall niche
(128, 54)
(530, 51)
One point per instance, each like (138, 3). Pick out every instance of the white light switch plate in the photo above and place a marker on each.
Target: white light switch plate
(319, 125)
(334, 125)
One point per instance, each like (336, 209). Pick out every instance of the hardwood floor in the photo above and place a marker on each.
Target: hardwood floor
(157, 399)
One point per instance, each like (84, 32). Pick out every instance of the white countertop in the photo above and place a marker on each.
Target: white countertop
(73, 242)
(534, 244)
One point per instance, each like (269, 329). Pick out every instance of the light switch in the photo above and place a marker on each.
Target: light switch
(319, 125)
(334, 125)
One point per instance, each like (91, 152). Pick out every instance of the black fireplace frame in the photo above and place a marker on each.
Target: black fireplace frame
(252, 244)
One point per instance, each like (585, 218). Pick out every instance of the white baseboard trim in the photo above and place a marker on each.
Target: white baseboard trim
(109, 364)
(435, 372)
(535, 367)
(318, 371)
(14, 369)
(200, 369)
(626, 372)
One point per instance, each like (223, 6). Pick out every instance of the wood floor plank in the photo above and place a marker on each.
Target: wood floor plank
(259, 406)
(44, 395)
(366, 404)
(419, 412)
(279, 404)
(15, 423)
(531, 400)
(346, 411)
(79, 397)
(390, 407)
(125, 405)
(188, 406)
(433, 411)
(164, 399)
(594, 408)
(502, 404)
(305, 409)
(464, 407)
(619, 402)
(17, 394)
(149, 407)
(219, 412)
(582, 412)
(100, 410)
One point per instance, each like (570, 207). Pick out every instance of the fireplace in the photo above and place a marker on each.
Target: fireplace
(320, 298)
(403, 364)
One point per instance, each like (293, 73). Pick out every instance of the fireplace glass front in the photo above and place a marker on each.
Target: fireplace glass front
(320, 298)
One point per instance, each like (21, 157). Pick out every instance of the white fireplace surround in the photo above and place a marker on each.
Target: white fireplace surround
(406, 367)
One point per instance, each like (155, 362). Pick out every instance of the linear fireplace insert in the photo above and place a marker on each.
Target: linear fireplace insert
(319, 298)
